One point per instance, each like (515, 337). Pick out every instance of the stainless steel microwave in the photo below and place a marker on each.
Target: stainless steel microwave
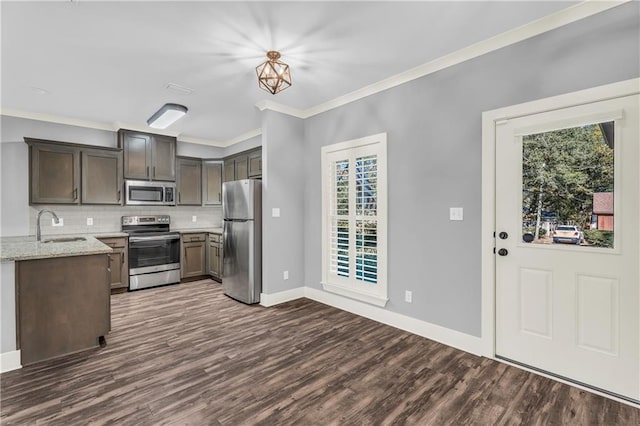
(147, 193)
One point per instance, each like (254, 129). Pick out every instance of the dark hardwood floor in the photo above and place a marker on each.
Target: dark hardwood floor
(187, 354)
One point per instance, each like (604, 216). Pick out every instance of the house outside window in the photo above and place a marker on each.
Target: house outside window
(354, 219)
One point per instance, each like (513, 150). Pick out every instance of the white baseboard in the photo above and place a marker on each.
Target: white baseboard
(281, 297)
(438, 333)
(9, 361)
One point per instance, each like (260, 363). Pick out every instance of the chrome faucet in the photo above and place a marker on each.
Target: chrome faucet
(55, 217)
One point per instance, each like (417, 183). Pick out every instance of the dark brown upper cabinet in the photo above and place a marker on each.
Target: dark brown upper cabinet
(148, 156)
(54, 173)
(255, 164)
(189, 181)
(102, 176)
(67, 173)
(245, 165)
(211, 183)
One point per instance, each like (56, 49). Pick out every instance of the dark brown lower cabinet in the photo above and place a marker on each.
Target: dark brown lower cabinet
(193, 259)
(118, 262)
(214, 256)
(63, 305)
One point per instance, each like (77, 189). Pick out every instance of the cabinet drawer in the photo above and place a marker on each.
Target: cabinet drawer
(190, 238)
(114, 242)
(215, 238)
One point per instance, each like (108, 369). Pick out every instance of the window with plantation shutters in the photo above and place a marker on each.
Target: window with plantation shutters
(354, 219)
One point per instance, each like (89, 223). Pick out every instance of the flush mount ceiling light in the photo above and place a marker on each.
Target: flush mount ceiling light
(273, 76)
(167, 115)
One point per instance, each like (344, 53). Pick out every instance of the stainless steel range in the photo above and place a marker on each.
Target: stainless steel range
(154, 251)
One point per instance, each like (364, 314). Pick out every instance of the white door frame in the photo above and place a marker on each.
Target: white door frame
(489, 121)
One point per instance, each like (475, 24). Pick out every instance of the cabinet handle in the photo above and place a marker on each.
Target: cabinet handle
(185, 253)
(118, 195)
(179, 198)
(219, 197)
(154, 171)
(122, 258)
(75, 194)
(147, 171)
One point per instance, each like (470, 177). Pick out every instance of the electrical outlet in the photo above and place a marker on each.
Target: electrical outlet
(408, 296)
(275, 212)
(89, 221)
(194, 218)
(285, 275)
(60, 222)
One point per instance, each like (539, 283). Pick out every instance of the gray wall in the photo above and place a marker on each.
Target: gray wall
(15, 212)
(434, 155)
(250, 143)
(283, 186)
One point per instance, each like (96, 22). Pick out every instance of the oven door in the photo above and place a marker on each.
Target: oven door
(153, 253)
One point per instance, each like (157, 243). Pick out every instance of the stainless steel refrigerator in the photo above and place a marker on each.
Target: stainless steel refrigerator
(242, 218)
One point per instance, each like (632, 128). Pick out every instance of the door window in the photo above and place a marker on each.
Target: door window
(568, 186)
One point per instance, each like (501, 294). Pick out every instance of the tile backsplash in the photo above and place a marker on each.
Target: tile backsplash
(107, 218)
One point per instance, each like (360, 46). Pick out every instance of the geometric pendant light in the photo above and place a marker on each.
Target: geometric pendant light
(273, 75)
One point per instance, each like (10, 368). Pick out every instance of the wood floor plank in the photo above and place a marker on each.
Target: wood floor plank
(188, 355)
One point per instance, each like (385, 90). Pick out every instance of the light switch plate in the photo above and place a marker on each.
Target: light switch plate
(60, 222)
(408, 296)
(456, 213)
(285, 275)
(275, 212)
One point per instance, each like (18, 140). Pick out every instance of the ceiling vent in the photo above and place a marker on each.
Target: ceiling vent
(179, 89)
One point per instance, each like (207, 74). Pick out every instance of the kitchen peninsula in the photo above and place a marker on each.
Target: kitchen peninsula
(55, 296)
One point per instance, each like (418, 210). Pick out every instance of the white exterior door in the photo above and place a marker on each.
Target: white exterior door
(570, 306)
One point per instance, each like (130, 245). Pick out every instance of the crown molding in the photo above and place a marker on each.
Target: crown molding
(57, 119)
(285, 109)
(542, 25)
(243, 137)
(547, 23)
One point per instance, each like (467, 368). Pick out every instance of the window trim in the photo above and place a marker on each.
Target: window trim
(380, 297)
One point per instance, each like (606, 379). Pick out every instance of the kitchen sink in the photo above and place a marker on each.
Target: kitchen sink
(65, 240)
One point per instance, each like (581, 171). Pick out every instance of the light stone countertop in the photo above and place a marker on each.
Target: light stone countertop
(199, 230)
(27, 248)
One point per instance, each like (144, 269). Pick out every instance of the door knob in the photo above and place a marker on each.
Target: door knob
(503, 252)
(503, 235)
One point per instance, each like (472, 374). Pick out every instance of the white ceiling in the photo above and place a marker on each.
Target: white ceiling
(109, 62)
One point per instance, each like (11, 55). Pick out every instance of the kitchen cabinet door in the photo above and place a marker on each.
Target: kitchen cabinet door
(214, 255)
(101, 177)
(255, 164)
(189, 182)
(163, 154)
(137, 154)
(212, 183)
(229, 170)
(54, 174)
(194, 257)
(148, 156)
(242, 167)
(118, 262)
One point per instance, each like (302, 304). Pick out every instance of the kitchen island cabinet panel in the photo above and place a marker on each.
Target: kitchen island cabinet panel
(63, 305)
